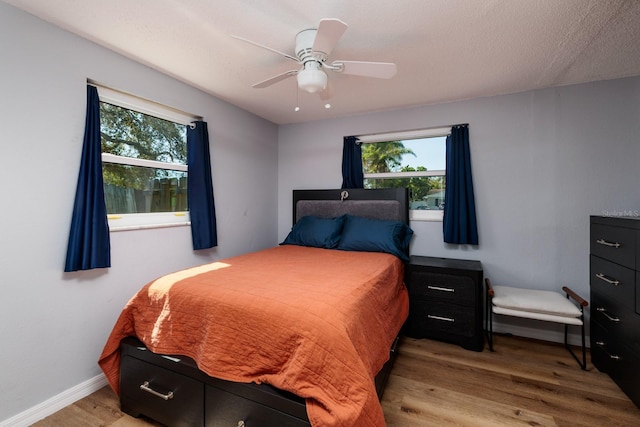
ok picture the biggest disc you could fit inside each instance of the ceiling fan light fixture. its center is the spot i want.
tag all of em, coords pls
(312, 79)
(312, 49)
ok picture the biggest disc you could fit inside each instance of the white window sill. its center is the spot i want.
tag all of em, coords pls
(143, 221)
(148, 226)
(426, 215)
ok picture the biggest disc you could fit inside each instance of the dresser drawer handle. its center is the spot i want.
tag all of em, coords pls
(146, 387)
(610, 244)
(446, 319)
(439, 288)
(604, 312)
(602, 277)
(601, 344)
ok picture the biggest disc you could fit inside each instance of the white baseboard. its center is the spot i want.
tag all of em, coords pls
(54, 404)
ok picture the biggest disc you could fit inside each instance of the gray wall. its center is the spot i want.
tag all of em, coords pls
(542, 161)
(53, 325)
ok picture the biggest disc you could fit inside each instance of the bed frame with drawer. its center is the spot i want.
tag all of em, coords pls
(192, 398)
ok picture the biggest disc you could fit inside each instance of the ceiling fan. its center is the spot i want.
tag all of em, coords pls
(312, 50)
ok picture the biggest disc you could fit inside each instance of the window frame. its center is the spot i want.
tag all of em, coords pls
(137, 221)
(414, 214)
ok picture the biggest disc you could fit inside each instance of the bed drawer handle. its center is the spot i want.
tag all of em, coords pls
(603, 277)
(601, 344)
(610, 244)
(146, 387)
(446, 319)
(607, 315)
(439, 288)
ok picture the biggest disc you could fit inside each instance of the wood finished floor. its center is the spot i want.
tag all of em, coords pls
(524, 382)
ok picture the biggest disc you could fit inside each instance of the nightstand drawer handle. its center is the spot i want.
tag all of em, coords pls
(446, 319)
(601, 344)
(610, 244)
(439, 288)
(609, 280)
(604, 312)
(146, 387)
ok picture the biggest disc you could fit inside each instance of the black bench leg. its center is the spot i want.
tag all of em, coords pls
(583, 363)
(489, 322)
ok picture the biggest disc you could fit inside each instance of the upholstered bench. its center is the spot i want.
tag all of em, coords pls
(547, 306)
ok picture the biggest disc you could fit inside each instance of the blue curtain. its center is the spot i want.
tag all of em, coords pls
(459, 223)
(89, 244)
(352, 175)
(200, 189)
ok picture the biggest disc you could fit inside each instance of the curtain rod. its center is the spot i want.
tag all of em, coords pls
(408, 134)
(133, 102)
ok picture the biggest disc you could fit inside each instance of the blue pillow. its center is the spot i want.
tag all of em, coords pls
(316, 232)
(375, 235)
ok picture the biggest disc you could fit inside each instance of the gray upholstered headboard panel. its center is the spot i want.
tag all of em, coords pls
(388, 203)
(376, 209)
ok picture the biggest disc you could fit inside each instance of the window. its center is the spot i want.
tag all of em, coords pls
(144, 162)
(413, 159)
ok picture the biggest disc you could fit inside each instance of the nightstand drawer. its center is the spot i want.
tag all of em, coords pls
(168, 397)
(438, 317)
(443, 287)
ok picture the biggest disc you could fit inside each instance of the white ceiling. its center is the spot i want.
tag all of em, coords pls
(445, 50)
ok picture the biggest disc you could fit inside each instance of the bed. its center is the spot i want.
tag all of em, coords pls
(300, 334)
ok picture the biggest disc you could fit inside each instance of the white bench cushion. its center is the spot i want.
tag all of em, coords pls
(537, 316)
(547, 303)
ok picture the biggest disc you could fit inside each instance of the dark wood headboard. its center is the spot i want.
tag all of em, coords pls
(384, 203)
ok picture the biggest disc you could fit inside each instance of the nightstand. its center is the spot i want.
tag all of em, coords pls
(445, 300)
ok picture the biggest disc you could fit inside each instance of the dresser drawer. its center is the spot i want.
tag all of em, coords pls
(606, 350)
(443, 287)
(437, 317)
(621, 324)
(166, 396)
(614, 243)
(612, 283)
(225, 409)
(638, 294)
(617, 360)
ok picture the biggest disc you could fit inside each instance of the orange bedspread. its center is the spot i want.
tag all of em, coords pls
(316, 322)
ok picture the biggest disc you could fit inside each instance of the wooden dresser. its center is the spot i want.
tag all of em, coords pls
(615, 300)
(445, 297)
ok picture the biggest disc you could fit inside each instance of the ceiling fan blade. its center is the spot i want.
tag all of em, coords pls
(380, 70)
(286, 55)
(329, 32)
(275, 79)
